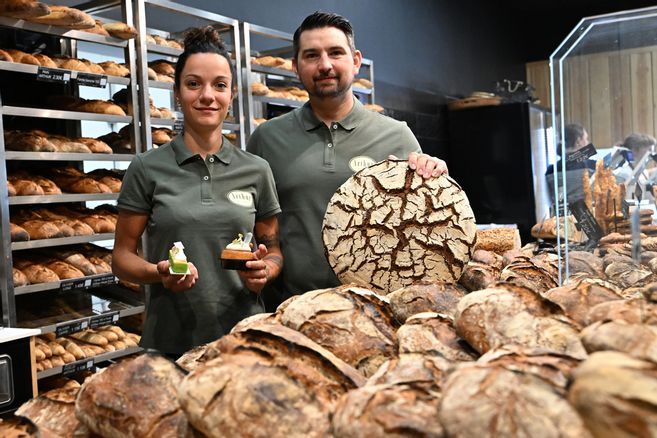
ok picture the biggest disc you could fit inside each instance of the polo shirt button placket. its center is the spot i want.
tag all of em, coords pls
(211, 160)
(205, 178)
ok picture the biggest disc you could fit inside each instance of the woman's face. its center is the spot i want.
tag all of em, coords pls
(205, 91)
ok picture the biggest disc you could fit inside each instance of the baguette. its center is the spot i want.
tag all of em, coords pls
(72, 348)
(66, 17)
(57, 361)
(119, 345)
(90, 338)
(108, 334)
(56, 348)
(39, 354)
(23, 9)
(47, 364)
(116, 329)
(68, 357)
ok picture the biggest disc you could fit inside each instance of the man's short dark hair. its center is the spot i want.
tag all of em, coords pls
(571, 134)
(318, 20)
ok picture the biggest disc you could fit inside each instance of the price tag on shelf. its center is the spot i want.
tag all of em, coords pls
(71, 327)
(92, 80)
(88, 283)
(74, 367)
(53, 75)
(178, 126)
(104, 319)
(582, 154)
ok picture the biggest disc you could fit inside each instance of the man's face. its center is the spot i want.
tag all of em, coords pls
(326, 66)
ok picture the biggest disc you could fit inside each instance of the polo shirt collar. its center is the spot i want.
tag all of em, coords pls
(183, 154)
(310, 120)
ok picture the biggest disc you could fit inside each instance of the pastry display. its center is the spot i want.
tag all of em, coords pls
(237, 253)
(178, 260)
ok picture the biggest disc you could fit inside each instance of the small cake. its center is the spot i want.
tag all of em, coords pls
(237, 253)
(177, 260)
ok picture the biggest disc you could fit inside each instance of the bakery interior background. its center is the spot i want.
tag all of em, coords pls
(426, 51)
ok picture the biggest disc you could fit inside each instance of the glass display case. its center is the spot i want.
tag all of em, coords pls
(604, 101)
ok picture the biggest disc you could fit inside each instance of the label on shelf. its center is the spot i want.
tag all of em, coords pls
(581, 155)
(586, 220)
(104, 319)
(92, 80)
(178, 126)
(53, 75)
(74, 367)
(87, 283)
(71, 327)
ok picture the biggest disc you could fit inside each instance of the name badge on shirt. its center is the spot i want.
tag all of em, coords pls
(360, 163)
(241, 198)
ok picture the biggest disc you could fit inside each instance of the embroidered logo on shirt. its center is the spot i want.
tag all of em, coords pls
(360, 162)
(238, 197)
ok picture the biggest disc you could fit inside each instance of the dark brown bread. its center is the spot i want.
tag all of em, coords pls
(425, 296)
(54, 412)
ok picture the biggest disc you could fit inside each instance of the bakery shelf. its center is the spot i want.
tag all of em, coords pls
(63, 32)
(160, 84)
(65, 156)
(278, 101)
(33, 69)
(45, 243)
(88, 363)
(69, 312)
(362, 90)
(67, 197)
(162, 122)
(88, 282)
(164, 50)
(61, 114)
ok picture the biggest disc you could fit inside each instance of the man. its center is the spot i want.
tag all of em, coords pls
(575, 138)
(316, 148)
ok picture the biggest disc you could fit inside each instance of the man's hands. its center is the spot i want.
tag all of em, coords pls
(176, 282)
(425, 165)
(257, 273)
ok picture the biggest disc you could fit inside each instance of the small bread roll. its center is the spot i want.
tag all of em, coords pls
(19, 279)
(45, 61)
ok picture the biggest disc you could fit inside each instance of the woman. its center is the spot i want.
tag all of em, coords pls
(202, 191)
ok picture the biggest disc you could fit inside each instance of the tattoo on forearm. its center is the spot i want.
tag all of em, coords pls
(269, 240)
(277, 260)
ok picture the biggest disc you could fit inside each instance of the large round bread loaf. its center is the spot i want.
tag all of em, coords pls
(425, 296)
(54, 412)
(268, 381)
(134, 398)
(386, 227)
(351, 322)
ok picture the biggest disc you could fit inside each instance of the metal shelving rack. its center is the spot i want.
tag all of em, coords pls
(67, 39)
(225, 25)
(247, 30)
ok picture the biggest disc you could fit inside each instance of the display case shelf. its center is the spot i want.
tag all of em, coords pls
(273, 71)
(46, 243)
(86, 283)
(68, 197)
(163, 50)
(160, 84)
(278, 101)
(88, 363)
(33, 69)
(62, 32)
(62, 114)
(65, 156)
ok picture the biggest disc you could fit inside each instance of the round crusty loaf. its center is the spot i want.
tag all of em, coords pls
(54, 412)
(433, 334)
(425, 296)
(387, 227)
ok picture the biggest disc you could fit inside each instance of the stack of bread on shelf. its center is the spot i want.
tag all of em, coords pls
(52, 352)
(58, 180)
(363, 83)
(40, 141)
(97, 106)
(273, 61)
(164, 70)
(123, 99)
(117, 30)
(55, 264)
(110, 68)
(62, 221)
(284, 92)
(166, 42)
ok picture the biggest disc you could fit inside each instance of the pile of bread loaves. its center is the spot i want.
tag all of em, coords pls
(291, 93)
(58, 180)
(52, 265)
(503, 352)
(110, 68)
(52, 352)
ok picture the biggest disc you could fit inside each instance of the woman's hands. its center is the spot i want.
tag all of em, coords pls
(176, 282)
(425, 165)
(256, 275)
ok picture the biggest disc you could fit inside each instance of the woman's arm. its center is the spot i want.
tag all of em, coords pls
(270, 259)
(129, 266)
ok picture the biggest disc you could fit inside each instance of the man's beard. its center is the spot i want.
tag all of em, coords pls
(339, 89)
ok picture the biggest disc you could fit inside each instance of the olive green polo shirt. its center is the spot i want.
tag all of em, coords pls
(310, 160)
(204, 204)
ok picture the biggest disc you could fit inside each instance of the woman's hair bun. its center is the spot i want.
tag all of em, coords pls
(201, 36)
